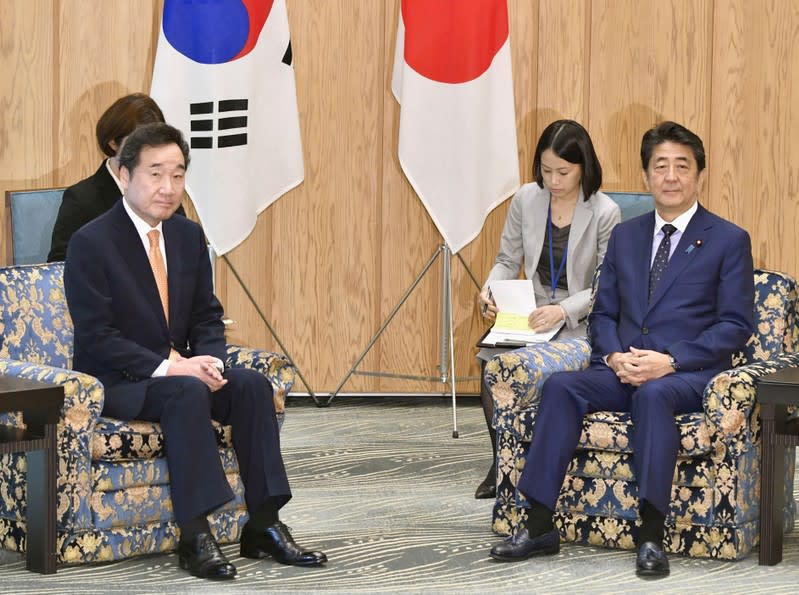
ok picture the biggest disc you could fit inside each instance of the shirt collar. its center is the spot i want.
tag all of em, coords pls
(142, 227)
(113, 175)
(680, 222)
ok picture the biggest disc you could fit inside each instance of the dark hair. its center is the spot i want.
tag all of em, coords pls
(570, 141)
(125, 114)
(151, 135)
(675, 133)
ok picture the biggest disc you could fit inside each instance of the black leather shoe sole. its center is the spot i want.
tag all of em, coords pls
(225, 572)
(651, 562)
(651, 573)
(256, 553)
(488, 487)
(222, 572)
(521, 547)
(485, 491)
(549, 551)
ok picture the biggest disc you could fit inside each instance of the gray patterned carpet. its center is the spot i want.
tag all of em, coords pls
(383, 488)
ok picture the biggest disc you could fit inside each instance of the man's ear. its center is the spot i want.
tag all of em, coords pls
(124, 177)
(646, 181)
(701, 179)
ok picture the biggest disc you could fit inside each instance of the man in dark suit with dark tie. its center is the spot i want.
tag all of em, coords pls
(147, 324)
(674, 302)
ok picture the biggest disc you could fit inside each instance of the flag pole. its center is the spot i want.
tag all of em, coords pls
(447, 307)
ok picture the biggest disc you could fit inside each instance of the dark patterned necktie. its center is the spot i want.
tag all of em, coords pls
(661, 257)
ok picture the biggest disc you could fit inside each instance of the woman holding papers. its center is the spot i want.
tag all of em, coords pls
(559, 227)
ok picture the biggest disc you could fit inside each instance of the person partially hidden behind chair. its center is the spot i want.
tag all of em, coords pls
(94, 195)
(674, 302)
(139, 289)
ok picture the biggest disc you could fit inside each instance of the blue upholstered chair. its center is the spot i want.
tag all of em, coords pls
(112, 487)
(632, 204)
(715, 503)
(30, 216)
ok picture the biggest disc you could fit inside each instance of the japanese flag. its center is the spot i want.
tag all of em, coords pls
(457, 134)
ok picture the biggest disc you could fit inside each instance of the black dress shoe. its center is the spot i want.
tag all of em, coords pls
(202, 557)
(651, 561)
(488, 488)
(276, 541)
(521, 546)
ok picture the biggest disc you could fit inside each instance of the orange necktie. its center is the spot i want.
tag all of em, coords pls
(159, 272)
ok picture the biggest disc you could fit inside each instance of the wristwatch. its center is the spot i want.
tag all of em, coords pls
(673, 363)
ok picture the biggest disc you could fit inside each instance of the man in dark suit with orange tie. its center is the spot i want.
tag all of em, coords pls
(674, 302)
(147, 324)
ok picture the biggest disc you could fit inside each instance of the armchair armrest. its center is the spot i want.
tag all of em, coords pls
(83, 394)
(83, 403)
(729, 402)
(515, 379)
(274, 366)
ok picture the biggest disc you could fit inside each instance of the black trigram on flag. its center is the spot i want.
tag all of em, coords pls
(231, 123)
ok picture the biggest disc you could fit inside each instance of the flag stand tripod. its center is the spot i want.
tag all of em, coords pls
(446, 368)
(268, 326)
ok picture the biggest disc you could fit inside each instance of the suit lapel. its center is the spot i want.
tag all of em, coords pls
(684, 253)
(641, 255)
(108, 191)
(539, 226)
(583, 213)
(135, 256)
(174, 263)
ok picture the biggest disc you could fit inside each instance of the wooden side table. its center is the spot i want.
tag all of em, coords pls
(775, 392)
(40, 404)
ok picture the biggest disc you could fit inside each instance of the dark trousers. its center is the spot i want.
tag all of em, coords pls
(567, 396)
(184, 407)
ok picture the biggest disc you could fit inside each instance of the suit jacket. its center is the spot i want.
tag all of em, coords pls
(701, 310)
(121, 333)
(82, 202)
(523, 239)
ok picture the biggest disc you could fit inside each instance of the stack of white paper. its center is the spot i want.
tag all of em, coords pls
(515, 300)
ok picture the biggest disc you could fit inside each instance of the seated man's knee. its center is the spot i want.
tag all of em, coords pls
(557, 382)
(188, 393)
(250, 384)
(649, 397)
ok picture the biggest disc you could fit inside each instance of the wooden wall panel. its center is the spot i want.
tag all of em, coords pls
(754, 158)
(329, 260)
(93, 70)
(410, 344)
(325, 236)
(563, 67)
(26, 105)
(650, 61)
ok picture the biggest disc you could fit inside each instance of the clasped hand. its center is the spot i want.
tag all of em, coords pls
(199, 366)
(639, 365)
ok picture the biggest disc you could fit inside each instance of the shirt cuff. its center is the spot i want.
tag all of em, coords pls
(161, 369)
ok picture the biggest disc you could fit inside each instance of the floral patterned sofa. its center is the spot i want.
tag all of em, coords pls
(715, 504)
(112, 489)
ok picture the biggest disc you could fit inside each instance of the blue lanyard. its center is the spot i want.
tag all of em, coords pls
(553, 279)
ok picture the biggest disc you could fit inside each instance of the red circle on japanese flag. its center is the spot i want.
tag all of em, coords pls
(453, 41)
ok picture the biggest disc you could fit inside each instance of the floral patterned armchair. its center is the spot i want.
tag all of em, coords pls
(715, 504)
(113, 496)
